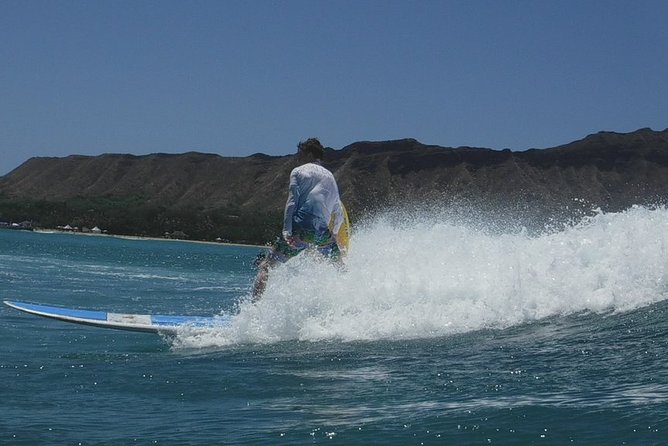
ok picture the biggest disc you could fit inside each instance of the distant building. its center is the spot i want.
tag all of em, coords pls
(24, 225)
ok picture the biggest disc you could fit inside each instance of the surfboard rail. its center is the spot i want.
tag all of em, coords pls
(166, 324)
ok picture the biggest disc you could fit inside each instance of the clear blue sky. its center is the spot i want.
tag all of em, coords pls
(239, 77)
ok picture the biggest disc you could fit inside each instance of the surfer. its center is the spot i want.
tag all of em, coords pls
(314, 216)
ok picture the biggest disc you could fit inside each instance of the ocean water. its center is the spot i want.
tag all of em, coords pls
(436, 332)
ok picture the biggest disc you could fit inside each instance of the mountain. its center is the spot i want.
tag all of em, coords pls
(241, 199)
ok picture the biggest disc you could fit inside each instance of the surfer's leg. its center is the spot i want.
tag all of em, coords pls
(280, 252)
(261, 279)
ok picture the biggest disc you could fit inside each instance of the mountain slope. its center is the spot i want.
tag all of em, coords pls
(198, 191)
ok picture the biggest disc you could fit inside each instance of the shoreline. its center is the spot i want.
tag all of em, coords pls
(143, 238)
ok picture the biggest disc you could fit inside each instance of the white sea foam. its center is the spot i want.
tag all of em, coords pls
(433, 278)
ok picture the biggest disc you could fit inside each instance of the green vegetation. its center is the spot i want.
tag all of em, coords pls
(134, 216)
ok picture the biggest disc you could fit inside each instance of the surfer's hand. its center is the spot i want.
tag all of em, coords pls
(294, 242)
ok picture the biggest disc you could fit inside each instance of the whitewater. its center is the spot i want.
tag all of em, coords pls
(426, 277)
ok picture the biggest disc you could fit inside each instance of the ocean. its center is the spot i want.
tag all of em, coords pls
(436, 332)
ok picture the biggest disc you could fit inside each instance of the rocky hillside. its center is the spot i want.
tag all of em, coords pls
(208, 195)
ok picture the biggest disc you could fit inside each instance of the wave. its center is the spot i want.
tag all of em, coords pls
(415, 279)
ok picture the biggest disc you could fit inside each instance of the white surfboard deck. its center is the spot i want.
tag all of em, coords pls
(151, 323)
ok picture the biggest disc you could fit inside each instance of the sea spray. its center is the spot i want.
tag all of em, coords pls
(407, 279)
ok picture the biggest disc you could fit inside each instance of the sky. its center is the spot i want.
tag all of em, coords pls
(241, 77)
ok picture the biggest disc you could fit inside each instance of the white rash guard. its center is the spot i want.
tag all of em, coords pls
(313, 199)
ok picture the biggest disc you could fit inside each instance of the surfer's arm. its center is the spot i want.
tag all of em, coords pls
(290, 206)
(336, 218)
(335, 222)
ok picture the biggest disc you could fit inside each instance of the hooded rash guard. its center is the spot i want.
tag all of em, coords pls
(313, 211)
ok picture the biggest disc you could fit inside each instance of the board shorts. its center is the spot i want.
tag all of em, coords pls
(323, 243)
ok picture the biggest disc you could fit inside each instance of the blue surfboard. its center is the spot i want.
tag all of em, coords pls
(151, 323)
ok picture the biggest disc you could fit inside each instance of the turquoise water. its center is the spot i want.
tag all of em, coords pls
(437, 333)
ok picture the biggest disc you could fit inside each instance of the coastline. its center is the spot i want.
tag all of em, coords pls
(142, 238)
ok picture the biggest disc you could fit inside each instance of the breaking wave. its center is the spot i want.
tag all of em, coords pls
(418, 279)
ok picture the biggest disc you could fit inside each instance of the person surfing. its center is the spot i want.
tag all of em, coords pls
(314, 217)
